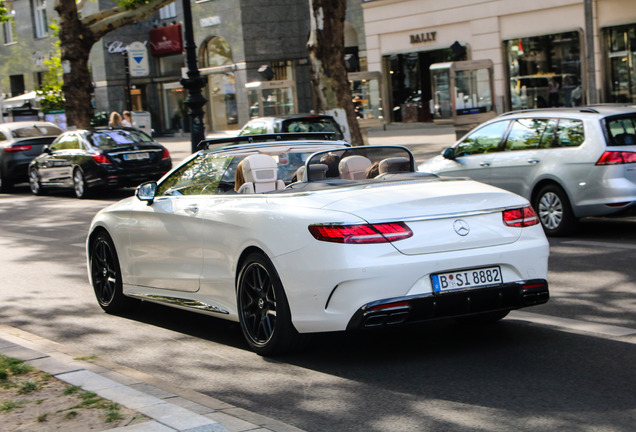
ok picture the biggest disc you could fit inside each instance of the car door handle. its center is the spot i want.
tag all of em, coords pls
(533, 161)
(484, 164)
(192, 209)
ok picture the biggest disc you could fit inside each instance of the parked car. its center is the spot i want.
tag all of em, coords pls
(570, 163)
(340, 249)
(20, 143)
(292, 123)
(101, 157)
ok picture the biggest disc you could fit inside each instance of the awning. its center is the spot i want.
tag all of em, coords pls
(18, 101)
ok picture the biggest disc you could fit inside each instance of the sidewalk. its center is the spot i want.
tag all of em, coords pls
(425, 140)
(169, 407)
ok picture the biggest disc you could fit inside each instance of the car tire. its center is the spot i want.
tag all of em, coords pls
(79, 184)
(35, 183)
(483, 318)
(106, 276)
(264, 313)
(554, 210)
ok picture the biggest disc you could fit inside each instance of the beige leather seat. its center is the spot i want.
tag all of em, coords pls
(394, 165)
(354, 167)
(261, 174)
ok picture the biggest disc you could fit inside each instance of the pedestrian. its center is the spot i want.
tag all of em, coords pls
(553, 93)
(115, 119)
(127, 121)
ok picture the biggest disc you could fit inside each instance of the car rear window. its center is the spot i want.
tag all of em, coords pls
(622, 130)
(35, 131)
(117, 137)
(312, 124)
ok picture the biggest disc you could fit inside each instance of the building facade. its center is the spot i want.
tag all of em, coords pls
(234, 40)
(252, 54)
(545, 52)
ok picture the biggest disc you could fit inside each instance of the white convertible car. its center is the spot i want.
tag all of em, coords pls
(309, 235)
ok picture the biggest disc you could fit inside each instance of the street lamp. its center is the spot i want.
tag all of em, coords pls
(194, 83)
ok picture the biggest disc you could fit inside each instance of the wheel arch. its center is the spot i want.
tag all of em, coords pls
(547, 182)
(91, 239)
(243, 257)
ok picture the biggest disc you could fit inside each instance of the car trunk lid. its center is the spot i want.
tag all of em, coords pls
(443, 215)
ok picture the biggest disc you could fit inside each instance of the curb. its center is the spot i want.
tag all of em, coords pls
(169, 407)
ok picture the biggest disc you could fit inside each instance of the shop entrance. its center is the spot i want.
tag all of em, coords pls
(621, 51)
(410, 83)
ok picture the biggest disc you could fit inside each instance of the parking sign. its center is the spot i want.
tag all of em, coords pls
(138, 60)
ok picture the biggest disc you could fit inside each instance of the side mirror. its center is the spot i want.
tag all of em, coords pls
(46, 149)
(449, 153)
(146, 192)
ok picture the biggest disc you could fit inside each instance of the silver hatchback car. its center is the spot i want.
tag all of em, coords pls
(569, 163)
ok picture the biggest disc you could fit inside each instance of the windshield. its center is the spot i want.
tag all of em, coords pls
(359, 163)
(117, 137)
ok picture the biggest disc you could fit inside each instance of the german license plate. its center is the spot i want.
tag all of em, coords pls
(467, 279)
(136, 156)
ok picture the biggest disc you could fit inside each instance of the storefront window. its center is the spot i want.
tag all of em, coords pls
(176, 116)
(545, 71)
(215, 54)
(621, 51)
(410, 83)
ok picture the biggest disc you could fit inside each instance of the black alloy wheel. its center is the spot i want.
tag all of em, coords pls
(554, 210)
(263, 309)
(79, 184)
(106, 275)
(35, 183)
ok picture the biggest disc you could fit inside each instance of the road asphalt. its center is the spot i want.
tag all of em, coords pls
(168, 406)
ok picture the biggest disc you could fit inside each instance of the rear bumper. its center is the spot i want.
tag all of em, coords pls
(426, 307)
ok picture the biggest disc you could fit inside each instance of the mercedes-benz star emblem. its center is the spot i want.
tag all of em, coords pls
(461, 227)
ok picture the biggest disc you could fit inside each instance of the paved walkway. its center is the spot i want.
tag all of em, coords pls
(169, 407)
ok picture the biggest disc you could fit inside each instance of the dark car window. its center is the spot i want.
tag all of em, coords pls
(117, 137)
(483, 140)
(570, 133)
(201, 175)
(525, 134)
(622, 130)
(2, 136)
(35, 131)
(312, 124)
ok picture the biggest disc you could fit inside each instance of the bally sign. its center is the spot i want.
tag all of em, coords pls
(166, 40)
(423, 37)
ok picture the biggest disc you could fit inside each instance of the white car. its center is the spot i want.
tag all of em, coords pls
(359, 241)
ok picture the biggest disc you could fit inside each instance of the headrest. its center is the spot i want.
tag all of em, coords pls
(318, 172)
(395, 165)
(260, 168)
(354, 167)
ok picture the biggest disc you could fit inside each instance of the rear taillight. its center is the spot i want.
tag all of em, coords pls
(617, 158)
(100, 158)
(361, 234)
(17, 148)
(165, 155)
(521, 217)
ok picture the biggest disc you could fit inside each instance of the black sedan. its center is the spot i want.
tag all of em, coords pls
(108, 157)
(20, 143)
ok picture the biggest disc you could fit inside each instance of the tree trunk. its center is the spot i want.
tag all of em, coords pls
(326, 53)
(75, 45)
